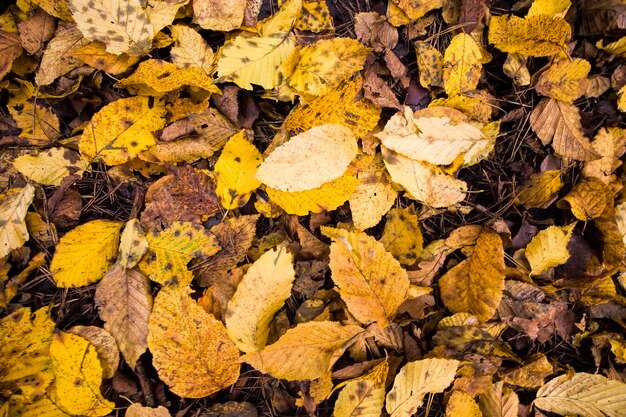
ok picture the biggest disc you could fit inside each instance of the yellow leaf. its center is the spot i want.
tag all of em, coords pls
(530, 375)
(250, 311)
(621, 99)
(24, 352)
(133, 244)
(220, 15)
(549, 7)
(618, 348)
(85, 253)
(327, 197)
(247, 61)
(323, 65)
(78, 376)
(49, 167)
(137, 410)
(538, 35)
(310, 159)
(617, 48)
(122, 129)
(462, 404)
(192, 352)
(475, 285)
(191, 49)
(610, 144)
(474, 105)
(307, 351)
(44, 407)
(416, 9)
(57, 58)
(283, 20)
(56, 8)
(402, 235)
(430, 64)
(11, 48)
(122, 25)
(515, 67)
(437, 135)
(236, 169)
(587, 199)
(549, 248)
(95, 55)
(314, 17)
(363, 396)
(39, 124)
(620, 218)
(541, 190)
(559, 122)
(499, 401)
(13, 231)
(162, 13)
(461, 65)
(370, 281)
(415, 380)
(424, 182)
(342, 105)
(373, 196)
(105, 345)
(583, 394)
(124, 300)
(565, 80)
(156, 77)
(170, 251)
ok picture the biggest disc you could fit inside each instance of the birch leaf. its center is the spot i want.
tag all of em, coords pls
(370, 281)
(461, 65)
(565, 80)
(122, 129)
(122, 25)
(538, 35)
(425, 182)
(191, 49)
(251, 311)
(13, 207)
(499, 401)
(85, 253)
(549, 248)
(191, 350)
(363, 396)
(307, 351)
(220, 15)
(125, 301)
(49, 167)
(39, 124)
(58, 59)
(558, 122)
(587, 200)
(137, 410)
(583, 394)
(133, 244)
(78, 376)
(105, 345)
(430, 64)
(475, 285)
(310, 159)
(415, 380)
(236, 169)
(11, 48)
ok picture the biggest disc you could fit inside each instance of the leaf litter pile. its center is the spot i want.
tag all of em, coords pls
(351, 208)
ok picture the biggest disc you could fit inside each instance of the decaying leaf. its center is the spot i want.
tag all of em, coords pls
(307, 351)
(39, 124)
(402, 235)
(549, 248)
(191, 49)
(137, 410)
(192, 351)
(85, 253)
(475, 285)
(51, 166)
(587, 200)
(58, 57)
(565, 80)
(538, 35)
(310, 159)
(105, 345)
(11, 48)
(363, 396)
(370, 281)
(13, 231)
(219, 14)
(610, 144)
(462, 404)
(415, 380)
(250, 311)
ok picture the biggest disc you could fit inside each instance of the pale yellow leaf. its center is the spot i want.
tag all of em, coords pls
(308, 351)
(549, 248)
(49, 167)
(220, 15)
(369, 279)
(122, 25)
(499, 401)
(13, 207)
(565, 80)
(137, 410)
(247, 61)
(461, 404)
(475, 105)
(363, 396)
(515, 67)
(122, 129)
(475, 285)
(85, 253)
(558, 122)
(162, 13)
(610, 144)
(415, 380)
(549, 7)
(461, 65)
(260, 294)
(58, 56)
(310, 159)
(538, 35)
(236, 169)
(78, 376)
(583, 394)
(424, 182)
(191, 49)
(191, 349)
(133, 244)
(39, 124)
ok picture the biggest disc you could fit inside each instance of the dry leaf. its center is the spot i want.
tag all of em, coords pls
(374, 31)
(541, 190)
(11, 48)
(430, 64)
(462, 65)
(137, 410)
(587, 200)
(402, 235)
(461, 404)
(13, 207)
(538, 35)
(191, 350)
(499, 401)
(58, 58)
(39, 124)
(565, 80)
(221, 15)
(105, 345)
(610, 144)
(549, 248)
(51, 166)
(191, 49)
(549, 7)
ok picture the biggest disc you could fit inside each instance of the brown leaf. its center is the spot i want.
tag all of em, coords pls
(378, 92)
(10, 48)
(35, 31)
(373, 30)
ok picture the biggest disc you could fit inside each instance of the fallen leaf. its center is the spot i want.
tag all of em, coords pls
(429, 64)
(549, 248)
(461, 65)
(374, 31)
(499, 401)
(565, 80)
(541, 190)
(137, 410)
(58, 59)
(51, 166)
(191, 49)
(364, 395)
(220, 15)
(461, 404)
(95, 55)
(530, 375)
(549, 7)
(191, 350)
(587, 200)
(13, 207)
(538, 35)
(315, 17)
(11, 48)
(610, 144)
(402, 236)
(39, 124)
(105, 345)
